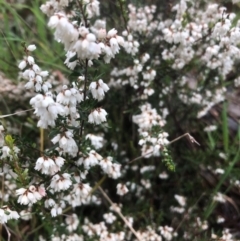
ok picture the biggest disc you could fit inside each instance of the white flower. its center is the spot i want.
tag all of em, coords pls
(177, 209)
(106, 164)
(163, 175)
(57, 208)
(210, 128)
(49, 203)
(30, 195)
(3, 216)
(92, 7)
(92, 159)
(49, 166)
(66, 143)
(97, 116)
(46, 109)
(109, 217)
(181, 200)
(61, 182)
(112, 33)
(146, 183)
(26, 215)
(82, 189)
(31, 47)
(114, 171)
(30, 60)
(122, 189)
(219, 197)
(6, 213)
(166, 232)
(101, 33)
(22, 65)
(69, 96)
(98, 89)
(96, 141)
(114, 45)
(6, 152)
(72, 222)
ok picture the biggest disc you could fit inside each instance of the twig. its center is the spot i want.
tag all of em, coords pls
(99, 183)
(41, 139)
(186, 214)
(191, 138)
(84, 92)
(16, 113)
(9, 234)
(119, 213)
(140, 157)
(83, 13)
(123, 15)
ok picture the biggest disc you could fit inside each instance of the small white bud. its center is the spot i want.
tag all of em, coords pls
(31, 47)
(22, 64)
(44, 73)
(30, 60)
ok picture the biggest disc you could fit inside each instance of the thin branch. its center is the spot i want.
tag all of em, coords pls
(80, 5)
(123, 15)
(119, 213)
(33, 231)
(187, 213)
(140, 157)
(41, 139)
(16, 113)
(191, 138)
(8, 232)
(84, 92)
(99, 183)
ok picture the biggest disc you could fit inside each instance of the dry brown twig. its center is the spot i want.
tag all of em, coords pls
(119, 213)
(191, 138)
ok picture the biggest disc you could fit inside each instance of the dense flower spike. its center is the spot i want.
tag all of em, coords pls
(34, 74)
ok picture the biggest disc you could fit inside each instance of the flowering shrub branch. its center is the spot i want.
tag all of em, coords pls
(168, 69)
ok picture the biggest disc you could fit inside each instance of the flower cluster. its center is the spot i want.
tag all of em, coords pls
(46, 109)
(30, 195)
(49, 166)
(85, 43)
(98, 89)
(6, 214)
(33, 73)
